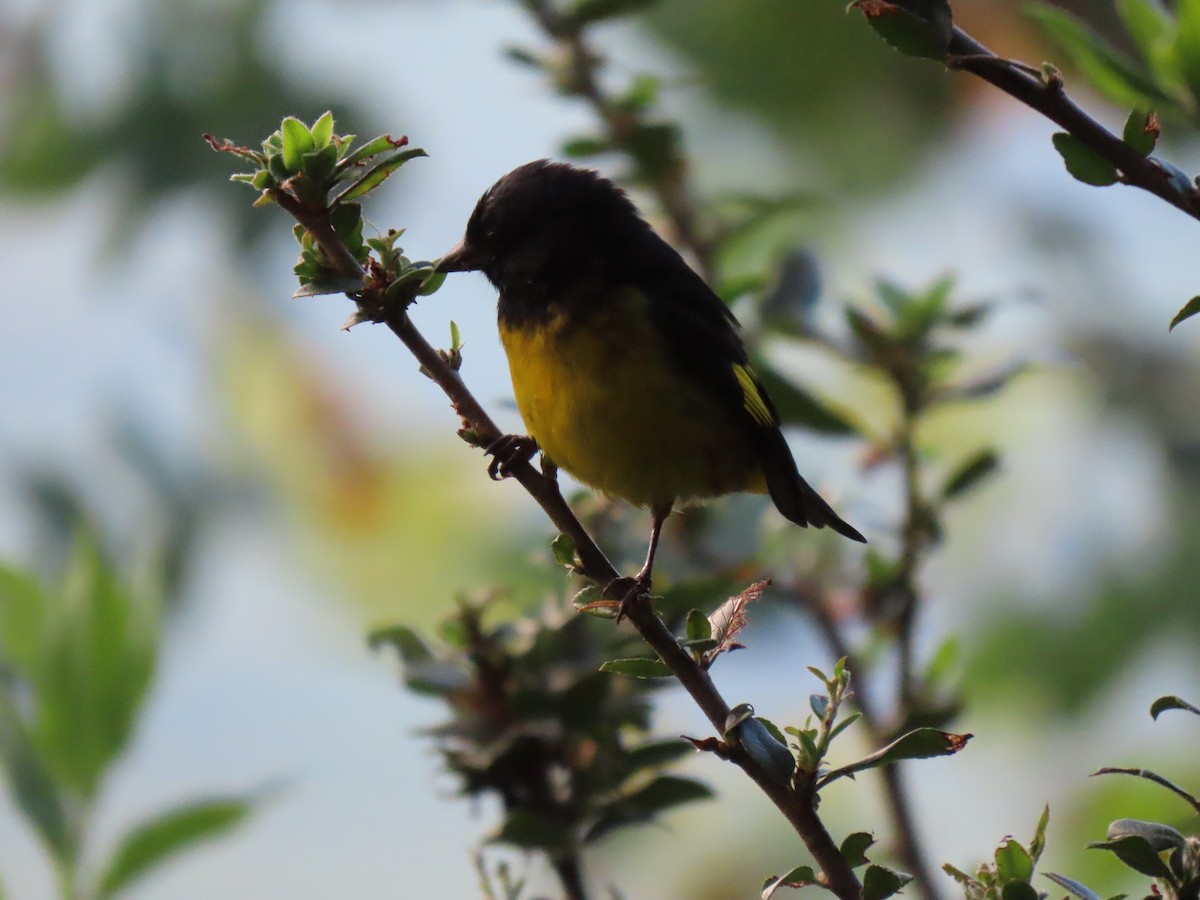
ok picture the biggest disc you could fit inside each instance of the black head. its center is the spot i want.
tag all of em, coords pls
(545, 224)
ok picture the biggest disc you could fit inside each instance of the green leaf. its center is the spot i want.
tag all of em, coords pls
(1038, 844)
(922, 743)
(1135, 851)
(1189, 309)
(797, 406)
(854, 848)
(1186, 50)
(585, 146)
(1018, 890)
(799, 877)
(637, 668)
(1084, 163)
(377, 175)
(1073, 887)
(921, 28)
(96, 661)
(698, 626)
(1141, 130)
(562, 548)
(1118, 78)
(1150, 27)
(529, 831)
(167, 835)
(297, 140)
(1013, 862)
(22, 611)
(373, 147)
(1162, 704)
(318, 167)
(322, 130)
(31, 786)
(661, 794)
(657, 753)
(407, 642)
(1160, 837)
(585, 11)
(592, 602)
(970, 473)
(879, 882)
(431, 284)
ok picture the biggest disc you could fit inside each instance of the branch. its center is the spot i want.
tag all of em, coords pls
(1046, 95)
(797, 805)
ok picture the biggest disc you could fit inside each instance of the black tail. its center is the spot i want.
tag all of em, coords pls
(793, 496)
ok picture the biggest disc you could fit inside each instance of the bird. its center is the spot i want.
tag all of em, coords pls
(628, 370)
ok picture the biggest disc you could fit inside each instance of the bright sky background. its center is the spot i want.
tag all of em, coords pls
(267, 684)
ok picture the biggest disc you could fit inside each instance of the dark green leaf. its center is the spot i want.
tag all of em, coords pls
(1189, 309)
(377, 175)
(923, 743)
(1119, 79)
(1073, 887)
(641, 806)
(1136, 852)
(1162, 704)
(1018, 890)
(799, 877)
(1149, 26)
(297, 140)
(1187, 45)
(657, 753)
(1141, 131)
(797, 406)
(970, 473)
(1084, 163)
(411, 647)
(879, 882)
(585, 11)
(1160, 837)
(431, 284)
(529, 831)
(22, 612)
(1013, 862)
(854, 848)
(31, 786)
(637, 668)
(920, 28)
(169, 834)
(319, 165)
(844, 724)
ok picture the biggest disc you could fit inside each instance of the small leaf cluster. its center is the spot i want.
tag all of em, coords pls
(631, 126)
(534, 722)
(1009, 875)
(878, 882)
(75, 664)
(319, 176)
(1153, 849)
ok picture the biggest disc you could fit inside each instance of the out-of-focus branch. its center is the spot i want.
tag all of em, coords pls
(670, 185)
(1046, 95)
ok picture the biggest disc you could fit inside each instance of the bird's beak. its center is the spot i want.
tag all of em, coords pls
(463, 258)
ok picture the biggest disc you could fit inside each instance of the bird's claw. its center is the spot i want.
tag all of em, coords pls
(630, 591)
(507, 452)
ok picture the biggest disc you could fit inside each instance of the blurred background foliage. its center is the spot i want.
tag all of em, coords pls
(296, 485)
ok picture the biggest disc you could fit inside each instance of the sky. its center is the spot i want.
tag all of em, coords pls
(268, 686)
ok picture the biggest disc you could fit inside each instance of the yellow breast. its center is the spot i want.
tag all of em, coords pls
(605, 403)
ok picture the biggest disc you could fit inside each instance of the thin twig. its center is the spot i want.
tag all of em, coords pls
(1046, 95)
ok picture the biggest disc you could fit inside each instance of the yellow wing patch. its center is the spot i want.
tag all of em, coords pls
(752, 399)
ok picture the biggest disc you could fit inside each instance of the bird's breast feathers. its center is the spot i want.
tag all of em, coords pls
(600, 392)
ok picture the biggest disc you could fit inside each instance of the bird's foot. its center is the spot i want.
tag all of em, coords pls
(507, 452)
(630, 591)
